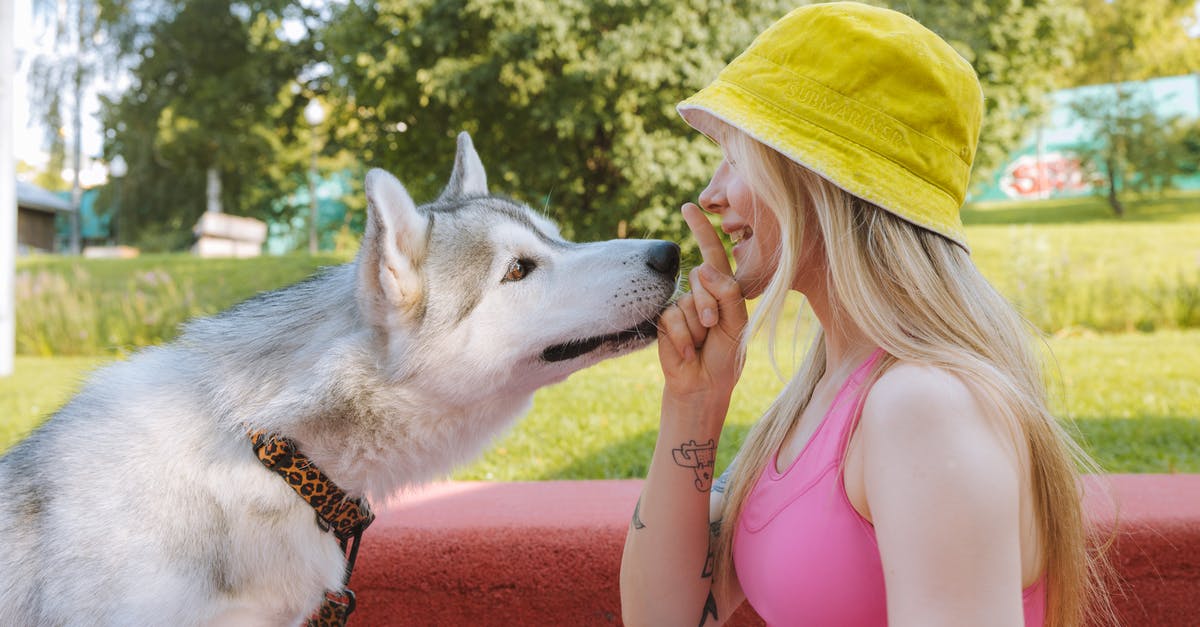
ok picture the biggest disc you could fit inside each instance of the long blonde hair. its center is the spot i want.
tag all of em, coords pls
(919, 297)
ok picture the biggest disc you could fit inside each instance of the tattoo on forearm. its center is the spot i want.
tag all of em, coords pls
(637, 520)
(710, 609)
(700, 458)
(714, 531)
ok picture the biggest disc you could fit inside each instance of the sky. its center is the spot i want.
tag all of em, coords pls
(28, 134)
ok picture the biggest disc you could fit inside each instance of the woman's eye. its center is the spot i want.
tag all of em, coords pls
(517, 270)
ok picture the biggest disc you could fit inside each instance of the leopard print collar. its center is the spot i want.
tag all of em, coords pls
(346, 518)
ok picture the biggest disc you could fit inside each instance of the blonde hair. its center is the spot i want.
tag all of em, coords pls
(919, 297)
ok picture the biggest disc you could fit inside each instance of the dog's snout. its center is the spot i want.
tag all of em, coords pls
(664, 258)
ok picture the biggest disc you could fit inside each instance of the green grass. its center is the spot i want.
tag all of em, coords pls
(1134, 398)
(71, 306)
(1066, 265)
(1069, 265)
(1171, 208)
(38, 387)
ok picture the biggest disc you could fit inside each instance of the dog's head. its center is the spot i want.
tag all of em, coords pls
(477, 294)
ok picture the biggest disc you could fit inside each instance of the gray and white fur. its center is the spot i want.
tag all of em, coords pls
(141, 502)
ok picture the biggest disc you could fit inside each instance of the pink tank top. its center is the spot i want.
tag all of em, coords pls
(803, 553)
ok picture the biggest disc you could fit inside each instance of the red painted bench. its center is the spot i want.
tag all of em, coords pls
(549, 553)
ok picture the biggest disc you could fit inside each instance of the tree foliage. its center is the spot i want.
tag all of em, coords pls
(1137, 149)
(215, 84)
(1134, 40)
(571, 104)
(58, 77)
(1018, 48)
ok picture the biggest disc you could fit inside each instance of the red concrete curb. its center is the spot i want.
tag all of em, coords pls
(1156, 519)
(549, 553)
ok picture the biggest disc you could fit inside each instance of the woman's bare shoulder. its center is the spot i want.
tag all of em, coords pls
(921, 392)
(925, 408)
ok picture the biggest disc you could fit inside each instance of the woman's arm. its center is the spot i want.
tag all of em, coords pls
(666, 572)
(942, 485)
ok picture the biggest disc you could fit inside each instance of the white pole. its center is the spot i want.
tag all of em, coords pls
(8, 192)
(212, 190)
(312, 196)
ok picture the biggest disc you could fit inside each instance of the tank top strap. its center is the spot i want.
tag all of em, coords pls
(848, 406)
(825, 446)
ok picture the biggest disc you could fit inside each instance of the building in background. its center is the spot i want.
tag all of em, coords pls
(36, 212)
(332, 215)
(1049, 163)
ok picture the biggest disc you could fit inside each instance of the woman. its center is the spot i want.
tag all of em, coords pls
(910, 472)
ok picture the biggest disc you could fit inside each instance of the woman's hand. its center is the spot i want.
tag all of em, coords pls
(666, 577)
(699, 337)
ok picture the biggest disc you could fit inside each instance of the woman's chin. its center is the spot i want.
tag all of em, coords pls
(750, 285)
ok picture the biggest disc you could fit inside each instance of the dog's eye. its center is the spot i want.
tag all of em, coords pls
(518, 269)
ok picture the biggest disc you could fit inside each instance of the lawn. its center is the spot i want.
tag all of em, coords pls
(1065, 264)
(1119, 299)
(1070, 264)
(1170, 208)
(76, 306)
(37, 387)
(1135, 399)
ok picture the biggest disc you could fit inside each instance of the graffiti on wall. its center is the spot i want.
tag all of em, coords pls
(1053, 174)
(1062, 136)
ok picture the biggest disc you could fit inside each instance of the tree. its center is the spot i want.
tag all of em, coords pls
(216, 91)
(1135, 40)
(1188, 141)
(1019, 50)
(1136, 148)
(58, 81)
(571, 104)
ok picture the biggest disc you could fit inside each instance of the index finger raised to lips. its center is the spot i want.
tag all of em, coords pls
(711, 248)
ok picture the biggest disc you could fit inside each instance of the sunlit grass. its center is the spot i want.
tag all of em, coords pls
(71, 306)
(1072, 268)
(1135, 399)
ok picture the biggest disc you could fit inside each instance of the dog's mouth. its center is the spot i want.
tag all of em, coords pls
(577, 348)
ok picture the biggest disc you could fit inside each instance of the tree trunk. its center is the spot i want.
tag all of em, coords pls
(1113, 200)
(77, 151)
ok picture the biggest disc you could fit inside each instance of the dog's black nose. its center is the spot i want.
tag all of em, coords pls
(664, 258)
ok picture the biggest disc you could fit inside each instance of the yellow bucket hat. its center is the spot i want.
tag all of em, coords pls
(864, 96)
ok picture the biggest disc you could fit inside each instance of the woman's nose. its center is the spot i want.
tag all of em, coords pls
(713, 199)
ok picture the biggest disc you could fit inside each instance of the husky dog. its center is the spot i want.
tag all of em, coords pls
(141, 501)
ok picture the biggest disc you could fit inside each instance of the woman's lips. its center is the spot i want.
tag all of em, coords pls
(739, 236)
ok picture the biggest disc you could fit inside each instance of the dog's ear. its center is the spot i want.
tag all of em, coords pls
(468, 177)
(393, 243)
